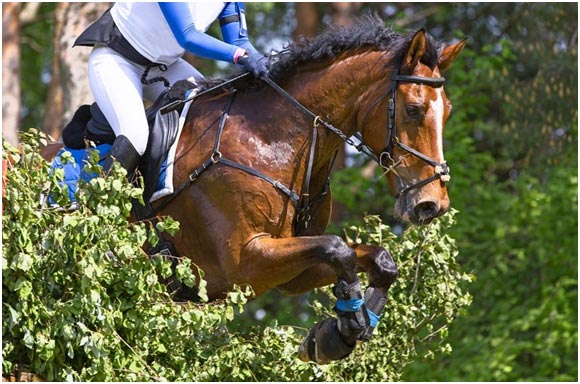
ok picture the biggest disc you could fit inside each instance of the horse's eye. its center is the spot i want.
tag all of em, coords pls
(414, 111)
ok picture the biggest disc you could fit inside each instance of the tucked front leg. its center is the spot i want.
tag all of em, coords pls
(378, 263)
(374, 260)
(268, 262)
(334, 339)
(382, 272)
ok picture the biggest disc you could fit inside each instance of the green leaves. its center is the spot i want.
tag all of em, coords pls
(427, 297)
(77, 287)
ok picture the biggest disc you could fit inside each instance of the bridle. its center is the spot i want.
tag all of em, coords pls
(386, 156)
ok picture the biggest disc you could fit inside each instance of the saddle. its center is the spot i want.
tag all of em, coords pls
(89, 124)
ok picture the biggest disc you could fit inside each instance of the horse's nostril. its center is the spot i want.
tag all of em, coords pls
(426, 210)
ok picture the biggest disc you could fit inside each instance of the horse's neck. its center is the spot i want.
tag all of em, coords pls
(338, 91)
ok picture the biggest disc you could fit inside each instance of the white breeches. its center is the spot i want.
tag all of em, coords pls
(116, 86)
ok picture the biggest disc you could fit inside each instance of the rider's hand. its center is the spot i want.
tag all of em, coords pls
(254, 62)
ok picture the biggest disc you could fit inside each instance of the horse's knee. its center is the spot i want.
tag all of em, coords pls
(388, 266)
(340, 257)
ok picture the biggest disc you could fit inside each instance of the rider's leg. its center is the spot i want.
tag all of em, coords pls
(125, 154)
(116, 86)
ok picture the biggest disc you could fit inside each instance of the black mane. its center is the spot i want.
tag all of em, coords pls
(366, 32)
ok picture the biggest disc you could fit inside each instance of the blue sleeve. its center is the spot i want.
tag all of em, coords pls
(199, 43)
(235, 32)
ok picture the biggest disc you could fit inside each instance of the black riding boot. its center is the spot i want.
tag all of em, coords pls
(125, 153)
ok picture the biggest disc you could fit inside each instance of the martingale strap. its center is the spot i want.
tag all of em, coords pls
(287, 191)
(304, 215)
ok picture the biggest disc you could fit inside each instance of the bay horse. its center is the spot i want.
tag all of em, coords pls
(254, 165)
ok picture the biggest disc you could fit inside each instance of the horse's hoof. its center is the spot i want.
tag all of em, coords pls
(306, 350)
(324, 344)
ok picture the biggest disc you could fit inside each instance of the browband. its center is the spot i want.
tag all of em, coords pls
(431, 81)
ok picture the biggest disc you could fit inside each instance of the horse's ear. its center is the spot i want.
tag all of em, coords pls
(416, 50)
(449, 54)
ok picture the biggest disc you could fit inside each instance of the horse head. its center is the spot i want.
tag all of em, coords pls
(408, 138)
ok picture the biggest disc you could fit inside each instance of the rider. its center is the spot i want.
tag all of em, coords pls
(134, 37)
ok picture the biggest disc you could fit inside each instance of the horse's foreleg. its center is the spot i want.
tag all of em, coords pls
(374, 260)
(272, 262)
(321, 344)
(378, 263)
(315, 277)
(382, 271)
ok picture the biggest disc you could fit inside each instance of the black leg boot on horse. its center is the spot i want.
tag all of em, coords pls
(334, 339)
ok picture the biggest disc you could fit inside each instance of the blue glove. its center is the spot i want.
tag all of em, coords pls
(255, 63)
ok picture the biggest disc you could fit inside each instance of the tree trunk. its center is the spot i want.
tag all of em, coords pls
(307, 20)
(69, 86)
(10, 71)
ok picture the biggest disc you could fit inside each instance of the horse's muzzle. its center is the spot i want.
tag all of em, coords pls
(426, 211)
(421, 212)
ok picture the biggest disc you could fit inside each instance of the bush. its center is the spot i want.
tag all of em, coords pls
(82, 301)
